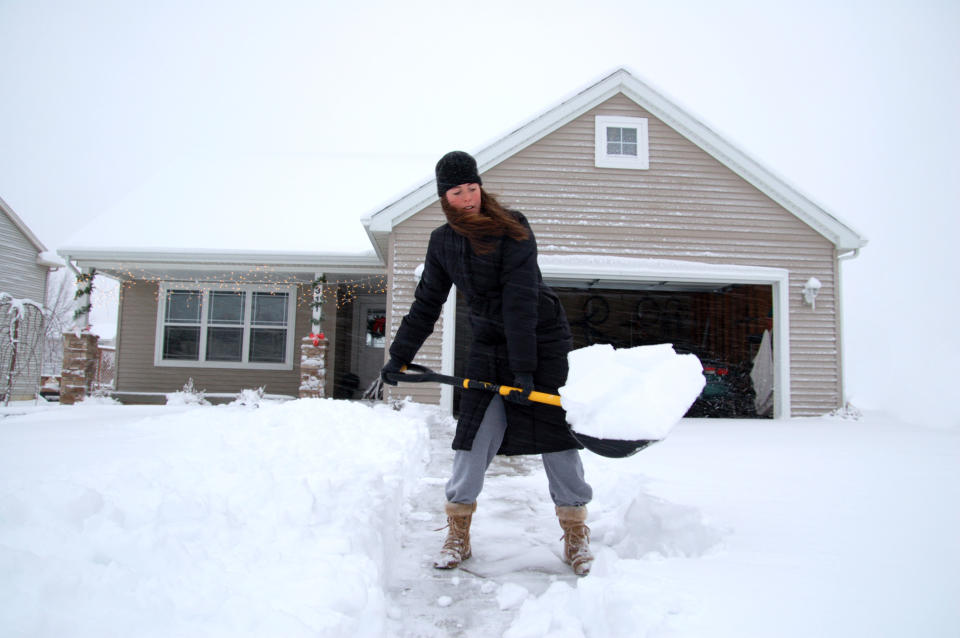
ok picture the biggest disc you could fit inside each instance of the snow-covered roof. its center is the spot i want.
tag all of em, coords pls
(222, 265)
(205, 207)
(381, 223)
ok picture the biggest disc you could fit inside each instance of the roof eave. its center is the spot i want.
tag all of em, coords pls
(839, 233)
(386, 218)
(778, 189)
(155, 258)
(22, 226)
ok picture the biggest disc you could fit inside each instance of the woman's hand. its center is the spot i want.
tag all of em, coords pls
(524, 381)
(393, 366)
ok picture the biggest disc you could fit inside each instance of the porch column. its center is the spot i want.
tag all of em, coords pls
(80, 351)
(313, 366)
(313, 348)
(79, 366)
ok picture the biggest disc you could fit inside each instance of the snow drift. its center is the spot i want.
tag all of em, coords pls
(279, 520)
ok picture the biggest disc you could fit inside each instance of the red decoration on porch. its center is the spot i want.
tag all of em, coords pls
(316, 338)
(376, 326)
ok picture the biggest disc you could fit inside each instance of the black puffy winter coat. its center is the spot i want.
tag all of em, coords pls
(518, 326)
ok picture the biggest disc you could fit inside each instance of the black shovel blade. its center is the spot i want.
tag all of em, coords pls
(612, 448)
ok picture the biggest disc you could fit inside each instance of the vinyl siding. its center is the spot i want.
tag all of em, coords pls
(20, 274)
(137, 337)
(687, 206)
(22, 278)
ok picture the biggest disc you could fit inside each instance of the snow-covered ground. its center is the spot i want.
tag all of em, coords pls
(317, 518)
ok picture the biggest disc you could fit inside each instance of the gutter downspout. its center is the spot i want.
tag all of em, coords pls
(851, 254)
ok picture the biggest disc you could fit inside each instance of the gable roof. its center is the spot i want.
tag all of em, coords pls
(44, 257)
(22, 226)
(382, 222)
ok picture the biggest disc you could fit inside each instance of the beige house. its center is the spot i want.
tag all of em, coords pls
(654, 229)
(650, 226)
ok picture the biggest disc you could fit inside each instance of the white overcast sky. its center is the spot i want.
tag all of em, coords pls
(855, 103)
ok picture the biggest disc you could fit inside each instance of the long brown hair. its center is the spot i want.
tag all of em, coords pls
(484, 226)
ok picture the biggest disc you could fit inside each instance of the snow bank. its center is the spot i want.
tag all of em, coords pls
(630, 394)
(791, 528)
(280, 520)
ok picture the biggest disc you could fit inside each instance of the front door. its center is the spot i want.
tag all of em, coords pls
(369, 338)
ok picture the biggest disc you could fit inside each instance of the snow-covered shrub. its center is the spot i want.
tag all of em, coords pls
(251, 398)
(98, 397)
(189, 395)
(849, 412)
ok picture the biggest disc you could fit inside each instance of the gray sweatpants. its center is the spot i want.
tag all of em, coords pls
(564, 469)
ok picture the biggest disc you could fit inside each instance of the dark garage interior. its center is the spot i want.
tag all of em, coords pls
(721, 324)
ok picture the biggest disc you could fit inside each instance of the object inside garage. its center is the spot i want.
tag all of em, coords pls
(722, 324)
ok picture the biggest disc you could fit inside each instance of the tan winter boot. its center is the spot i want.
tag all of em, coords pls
(456, 548)
(576, 538)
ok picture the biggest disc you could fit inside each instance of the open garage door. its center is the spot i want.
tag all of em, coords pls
(725, 314)
(722, 325)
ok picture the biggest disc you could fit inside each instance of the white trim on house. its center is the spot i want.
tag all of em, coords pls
(588, 270)
(204, 323)
(840, 234)
(309, 263)
(635, 161)
(20, 224)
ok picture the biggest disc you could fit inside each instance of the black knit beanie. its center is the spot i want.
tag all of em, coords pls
(455, 168)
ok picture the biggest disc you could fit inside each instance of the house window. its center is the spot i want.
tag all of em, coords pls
(268, 332)
(621, 142)
(181, 331)
(243, 327)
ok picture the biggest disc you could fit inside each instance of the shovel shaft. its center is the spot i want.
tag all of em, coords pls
(425, 374)
(612, 448)
(504, 390)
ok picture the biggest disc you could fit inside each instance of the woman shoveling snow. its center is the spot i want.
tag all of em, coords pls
(521, 336)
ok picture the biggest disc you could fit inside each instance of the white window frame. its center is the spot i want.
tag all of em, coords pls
(602, 159)
(205, 290)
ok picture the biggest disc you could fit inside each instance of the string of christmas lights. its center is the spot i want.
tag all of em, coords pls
(341, 291)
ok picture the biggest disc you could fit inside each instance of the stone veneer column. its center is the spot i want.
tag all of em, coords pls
(79, 366)
(313, 368)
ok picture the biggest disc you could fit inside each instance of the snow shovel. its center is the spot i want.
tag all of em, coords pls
(611, 448)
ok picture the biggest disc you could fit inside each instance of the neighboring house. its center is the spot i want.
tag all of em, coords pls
(24, 266)
(651, 227)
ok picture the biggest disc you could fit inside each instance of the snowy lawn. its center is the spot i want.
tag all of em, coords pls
(202, 521)
(287, 520)
(803, 527)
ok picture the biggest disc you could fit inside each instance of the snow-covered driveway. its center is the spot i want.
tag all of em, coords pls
(318, 518)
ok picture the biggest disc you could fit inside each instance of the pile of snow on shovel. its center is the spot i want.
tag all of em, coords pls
(630, 394)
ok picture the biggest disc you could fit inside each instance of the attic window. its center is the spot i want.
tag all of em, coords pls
(621, 142)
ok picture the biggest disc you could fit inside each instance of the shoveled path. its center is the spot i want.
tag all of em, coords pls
(515, 538)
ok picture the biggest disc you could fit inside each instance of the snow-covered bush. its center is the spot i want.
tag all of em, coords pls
(251, 398)
(189, 395)
(98, 397)
(849, 412)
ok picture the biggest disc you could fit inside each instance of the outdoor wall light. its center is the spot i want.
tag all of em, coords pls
(810, 290)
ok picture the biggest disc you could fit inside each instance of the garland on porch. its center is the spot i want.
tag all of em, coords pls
(316, 307)
(84, 288)
(316, 286)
